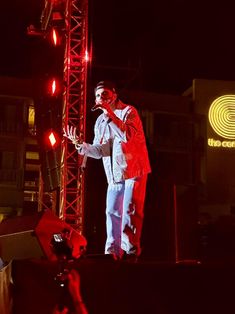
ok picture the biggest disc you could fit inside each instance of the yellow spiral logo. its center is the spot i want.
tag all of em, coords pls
(222, 116)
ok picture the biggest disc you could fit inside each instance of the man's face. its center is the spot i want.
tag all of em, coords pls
(104, 95)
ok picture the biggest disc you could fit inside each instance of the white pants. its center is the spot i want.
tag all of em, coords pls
(124, 216)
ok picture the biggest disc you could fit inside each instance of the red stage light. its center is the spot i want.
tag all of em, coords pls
(53, 87)
(55, 37)
(51, 139)
(87, 57)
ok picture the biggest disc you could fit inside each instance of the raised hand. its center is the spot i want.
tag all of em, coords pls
(71, 133)
(74, 289)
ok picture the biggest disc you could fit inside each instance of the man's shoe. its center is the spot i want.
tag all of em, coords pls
(132, 258)
(111, 253)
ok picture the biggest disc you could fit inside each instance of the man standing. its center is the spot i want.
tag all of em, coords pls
(119, 140)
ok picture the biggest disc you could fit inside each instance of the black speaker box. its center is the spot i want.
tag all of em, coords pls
(30, 236)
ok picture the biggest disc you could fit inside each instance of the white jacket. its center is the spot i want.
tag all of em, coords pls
(120, 143)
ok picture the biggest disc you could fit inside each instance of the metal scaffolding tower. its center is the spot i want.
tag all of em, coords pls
(74, 111)
(73, 19)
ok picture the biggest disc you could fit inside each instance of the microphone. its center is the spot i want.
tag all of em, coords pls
(94, 108)
(107, 101)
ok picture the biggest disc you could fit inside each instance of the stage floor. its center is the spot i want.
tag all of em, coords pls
(121, 287)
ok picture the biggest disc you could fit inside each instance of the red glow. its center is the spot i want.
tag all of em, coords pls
(88, 54)
(87, 58)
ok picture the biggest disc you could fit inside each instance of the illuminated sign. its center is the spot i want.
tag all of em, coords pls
(222, 116)
(217, 143)
(222, 120)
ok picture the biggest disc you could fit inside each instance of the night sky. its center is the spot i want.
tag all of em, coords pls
(159, 46)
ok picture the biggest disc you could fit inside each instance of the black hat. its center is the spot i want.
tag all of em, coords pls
(106, 84)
